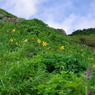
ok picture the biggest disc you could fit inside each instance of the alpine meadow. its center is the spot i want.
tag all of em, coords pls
(36, 59)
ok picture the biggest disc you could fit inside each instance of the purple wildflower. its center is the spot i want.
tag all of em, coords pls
(26, 54)
(88, 73)
(88, 77)
(90, 92)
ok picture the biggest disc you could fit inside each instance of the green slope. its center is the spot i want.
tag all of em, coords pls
(84, 37)
(36, 59)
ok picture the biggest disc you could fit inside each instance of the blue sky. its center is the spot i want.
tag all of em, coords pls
(69, 15)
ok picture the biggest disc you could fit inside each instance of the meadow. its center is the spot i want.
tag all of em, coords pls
(36, 59)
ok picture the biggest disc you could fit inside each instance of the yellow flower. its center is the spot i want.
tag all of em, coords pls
(25, 40)
(93, 65)
(16, 43)
(11, 40)
(32, 38)
(62, 47)
(13, 30)
(39, 41)
(90, 59)
(44, 43)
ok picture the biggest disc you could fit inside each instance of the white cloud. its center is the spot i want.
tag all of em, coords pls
(66, 24)
(74, 21)
(22, 8)
(85, 22)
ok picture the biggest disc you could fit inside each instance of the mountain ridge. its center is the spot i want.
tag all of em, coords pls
(8, 17)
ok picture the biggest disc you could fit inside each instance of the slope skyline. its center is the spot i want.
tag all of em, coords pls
(68, 15)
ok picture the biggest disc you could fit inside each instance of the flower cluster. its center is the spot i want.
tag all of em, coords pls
(88, 73)
(88, 78)
(43, 44)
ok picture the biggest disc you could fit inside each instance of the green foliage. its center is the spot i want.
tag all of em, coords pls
(62, 84)
(34, 22)
(84, 32)
(59, 62)
(38, 60)
(1, 23)
(88, 40)
(74, 63)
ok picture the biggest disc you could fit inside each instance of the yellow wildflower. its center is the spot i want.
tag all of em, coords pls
(16, 43)
(44, 43)
(39, 41)
(32, 38)
(11, 40)
(25, 40)
(93, 65)
(90, 59)
(62, 47)
(13, 30)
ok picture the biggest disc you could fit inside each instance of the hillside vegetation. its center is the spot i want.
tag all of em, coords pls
(84, 32)
(36, 59)
(84, 37)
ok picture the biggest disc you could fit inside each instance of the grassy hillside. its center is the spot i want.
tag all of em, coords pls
(39, 60)
(84, 37)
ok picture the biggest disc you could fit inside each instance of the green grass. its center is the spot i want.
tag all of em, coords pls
(88, 40)
(29, 68)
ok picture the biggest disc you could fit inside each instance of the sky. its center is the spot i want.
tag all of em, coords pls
(69, 15)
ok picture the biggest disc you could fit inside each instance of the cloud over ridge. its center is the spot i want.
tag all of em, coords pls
(66, 14)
